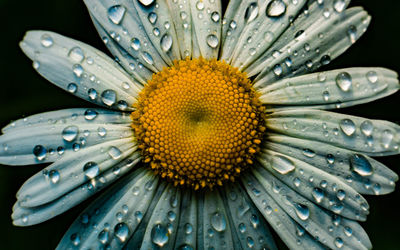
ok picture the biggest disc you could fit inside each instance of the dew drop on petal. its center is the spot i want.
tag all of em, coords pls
(339, 5)
(276, 8)
(103, 236)
(344, 81)
(386, 138)
(166, 42)
(91, 169)
(218, 222)
(372, 76)
(188, 228)
(46, 41)
(90, 114)
(302, 211)
(102, 131)
(135, 43)
(109, 97)
(317, 194)
(159, 235)
(92, 93)
(146, 2)
(347, 126)
(212, 41)
(360, 165)
(121, 231)
(339, 242)
(54, 176)
(76, 54)
(116, 13)
(78, 70)
(39, 152)
(114, 152)
(70, 133)
(72, 88)
(282, 165)
(75, 239)
(251, 12)
(352, 33)
(215, 16)
(152, 17)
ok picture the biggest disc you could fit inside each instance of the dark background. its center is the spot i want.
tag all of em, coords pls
(23, 92)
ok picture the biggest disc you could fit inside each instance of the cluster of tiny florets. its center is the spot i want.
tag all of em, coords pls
(199, 123)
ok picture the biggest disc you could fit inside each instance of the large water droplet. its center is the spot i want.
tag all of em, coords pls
(70, 133)
(114, 152)
(367, 127)
(302, 211)
(339, 242)
(147, 58)
(360, 165)
(92, 93)
(152, 17)
(159, 235)
(75, 239)
(103, 237)
(91, 169)
(344, 81)
(276, 8)
(39, 152)
(308, 152)
(318, 194)
(72, 88)
(90, 114)
(386, 138)
(212, 41)
(46, 41)
(188, 228)
(251, 12)
(372, 76)
(347, 126)
(215, 16)
(146, 2)
(54, 176)
(121, 231)
(339, 5)
(218, 222)
(282, 164)
(166, 42)
(116, 13)
(109, 97)
(76, 54)
(78, 70)
(135, 43)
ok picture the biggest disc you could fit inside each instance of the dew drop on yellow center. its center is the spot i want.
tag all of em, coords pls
(199, 123)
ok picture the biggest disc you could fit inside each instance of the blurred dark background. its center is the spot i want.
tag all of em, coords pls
(23, 92)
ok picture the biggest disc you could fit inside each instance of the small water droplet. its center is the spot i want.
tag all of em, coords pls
(339, 242)
(54, 176)
(70, 133)
(218, 222)
(114, 152)
(90, 114)
(166, 42)
(282, 164)
(91, 169)
(103, 236)
(344, 81)
(102, 131)
(276, 8)
(360, 165)
(146, 2)
(135, 43)
(250, 242)
(308, 152)
(78, 70)
(72, 88)
(215, 16)
(254, 220)
(348, 231)
(352, 33)
(147, 58)
(302, 211)
(75, 239)
(318, 194)
(188, 228)
(92, 93)
(121, 231)
(116, 13)
(39, 152)
(372, 76)
(251, 12)
(242, 228)
(159, 235)
(152, 17)
(212, 41)
(76, 54)
(277, 70)
(46, 41)
(387, 138)
(200, 5)
(341, 194)
(109, 97)
(347, 126)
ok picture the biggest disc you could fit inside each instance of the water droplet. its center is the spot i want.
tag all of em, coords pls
(70, 133)
(40, 152)
(215, 16)
(75, 239)
(152, 17)
(146, 2)
(200, 5)
(339, 5)
(114, 152)
(348, 231)
(212, 41)
(344, 81)
(277, 70)
(338, 242)
(251, 12)
(372, 76)
(36, 65)
(116, 13)
(90, 114)
(91, 169)
(341, 194)
(72, 88)
(109, 97)
(147, 58)
(318, 194)
(296, 182)
(250, 242)
(367, 127)
(347, 126)
(386, 138)
(139, 216)
(254, 220)
(121, 231)
(242, 228)
(302, 211)
(78, 70)
(103, 236)
(308, 152)
(159, 235)
(360, 165)
(276, 8)
(76, 54)
(218, 222)
(166, 42)
(46, 41)
(92, 94)
(171, 216)
(135, 44)
(325, 60)
(188, 228)
(282, 164)
(352, 33)
(102, 131)
(54, 176)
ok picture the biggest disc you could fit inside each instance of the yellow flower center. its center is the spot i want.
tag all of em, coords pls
(199, 123)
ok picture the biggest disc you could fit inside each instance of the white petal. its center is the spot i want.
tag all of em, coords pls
(72, 171)
(207, 27)
(247, 222)
(332, 193)
(126, 30)
(215, 230)
(115, 215)
(23, 216)
(272, 20)
(51, 136)
(159, 26)
(163, 223)
(371, 137)
(80, 69)
(186, 235)
(364, 174)
(320, 43)
(131, 65)
(182, 19)
(315, 220)
(282, 223)
(331, 89)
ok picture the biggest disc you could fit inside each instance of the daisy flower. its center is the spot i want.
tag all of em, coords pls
(211, 131)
